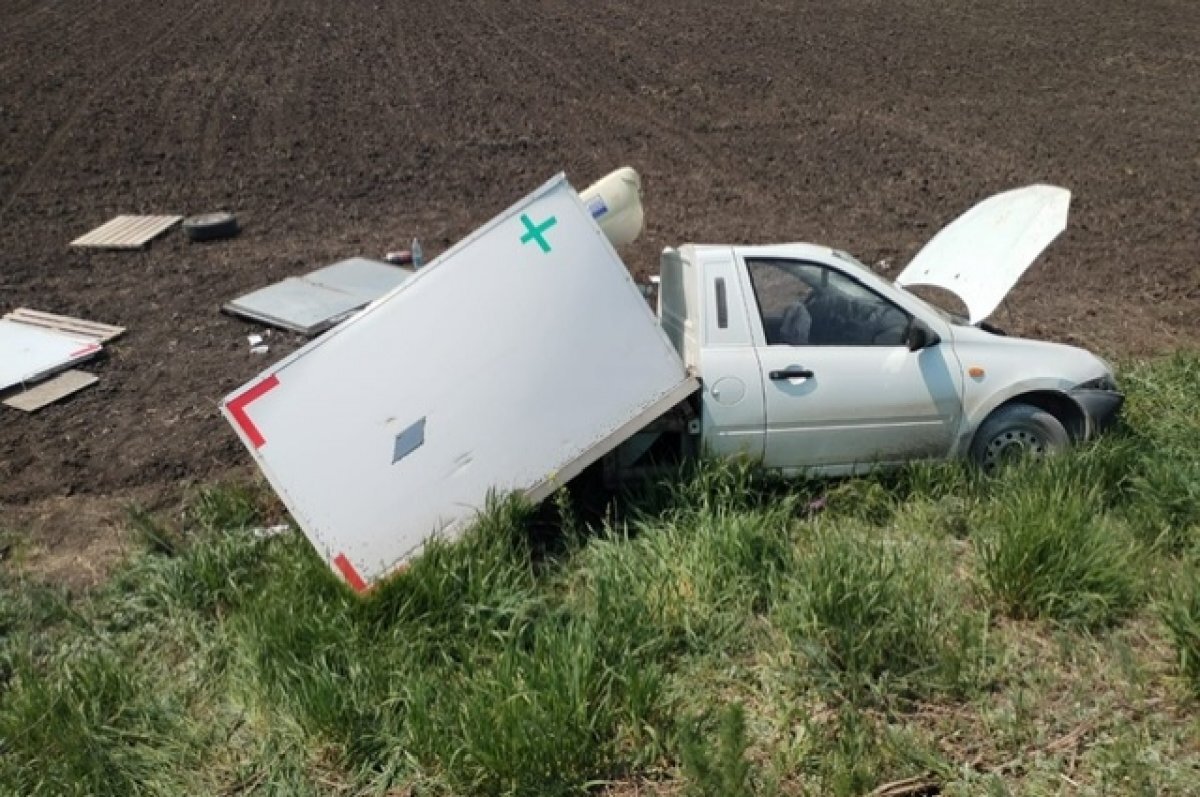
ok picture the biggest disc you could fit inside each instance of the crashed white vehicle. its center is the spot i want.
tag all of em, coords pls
(814, 363)
(527, 353)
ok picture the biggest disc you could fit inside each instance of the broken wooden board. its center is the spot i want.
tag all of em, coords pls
(50, 391)
(127, 232)
(30, 353)
(66, 324)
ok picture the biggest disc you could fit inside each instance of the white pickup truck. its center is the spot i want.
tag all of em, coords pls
(526, 353)
(812, 362)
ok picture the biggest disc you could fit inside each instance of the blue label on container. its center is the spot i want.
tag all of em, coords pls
(597, 207)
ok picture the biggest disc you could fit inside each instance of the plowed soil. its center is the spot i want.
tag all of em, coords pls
(337, 128)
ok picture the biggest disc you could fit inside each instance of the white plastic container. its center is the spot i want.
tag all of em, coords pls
(615, 202)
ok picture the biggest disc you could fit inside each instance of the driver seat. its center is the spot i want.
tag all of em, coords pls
(795, 326)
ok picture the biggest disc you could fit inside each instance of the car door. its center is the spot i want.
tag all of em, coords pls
(842, 390)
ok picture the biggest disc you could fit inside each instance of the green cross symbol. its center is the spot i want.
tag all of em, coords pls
(534, 232)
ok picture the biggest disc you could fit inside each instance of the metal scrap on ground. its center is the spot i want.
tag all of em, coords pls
(321, 299)
(127, 232)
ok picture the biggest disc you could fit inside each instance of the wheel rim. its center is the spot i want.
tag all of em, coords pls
(1012, 445)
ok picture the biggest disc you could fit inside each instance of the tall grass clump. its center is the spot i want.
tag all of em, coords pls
(459, 674)
(1180, 611)
(1164, 425)
(548, 714)
(687, 575)
(1046, 549)
(868, 611)
(718, 768)
(90, 724)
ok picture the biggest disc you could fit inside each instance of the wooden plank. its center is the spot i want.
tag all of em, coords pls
(127, 232)
(66, 324)
(50, 391)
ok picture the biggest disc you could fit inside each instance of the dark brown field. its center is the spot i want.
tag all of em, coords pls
(336, 129)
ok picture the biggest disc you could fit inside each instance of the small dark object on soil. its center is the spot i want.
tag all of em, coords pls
(402, 257)
(210, 226)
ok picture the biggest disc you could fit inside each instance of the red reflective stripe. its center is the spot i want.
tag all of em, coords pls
(88, 349)
(349, 573)
(237, 408)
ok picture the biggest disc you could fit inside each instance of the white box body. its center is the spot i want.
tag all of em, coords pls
(510, 363)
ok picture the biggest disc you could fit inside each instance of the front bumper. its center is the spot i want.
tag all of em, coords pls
(1101, 406)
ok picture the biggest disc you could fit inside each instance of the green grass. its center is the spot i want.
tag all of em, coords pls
(725, 632)
(1046, 549)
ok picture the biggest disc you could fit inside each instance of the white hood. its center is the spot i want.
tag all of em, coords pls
(980, 255)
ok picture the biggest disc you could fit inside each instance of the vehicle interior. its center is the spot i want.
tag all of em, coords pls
(810, 304)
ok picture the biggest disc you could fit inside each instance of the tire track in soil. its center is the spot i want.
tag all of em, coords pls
(579, 88)
(680, 142)
(126, 59)
(223, 80)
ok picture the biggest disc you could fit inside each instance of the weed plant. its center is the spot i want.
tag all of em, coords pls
(1180, 610)
(1046, 549)
(873, 613)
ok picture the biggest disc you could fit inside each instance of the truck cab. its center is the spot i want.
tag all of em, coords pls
(812, 363)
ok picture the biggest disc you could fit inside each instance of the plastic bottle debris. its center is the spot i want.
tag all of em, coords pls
(418, 256)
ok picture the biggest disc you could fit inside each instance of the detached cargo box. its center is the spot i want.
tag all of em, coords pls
(512, 362)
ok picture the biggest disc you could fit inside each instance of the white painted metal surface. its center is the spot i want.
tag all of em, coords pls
(360, 277)
(510, 363)
(127, 232)
(980, 256)
(29, 353)
(320, 299)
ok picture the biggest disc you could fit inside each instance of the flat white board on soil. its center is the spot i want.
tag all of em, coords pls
(29, 353)
(514, 360)
(295, 304)
(320, 299)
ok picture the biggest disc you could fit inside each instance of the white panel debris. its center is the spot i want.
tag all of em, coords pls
(30, 353)
(321, 299)
(511, 362)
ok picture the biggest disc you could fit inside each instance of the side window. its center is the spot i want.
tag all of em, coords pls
(808, 304)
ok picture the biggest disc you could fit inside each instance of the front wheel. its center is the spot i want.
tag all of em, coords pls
(1014, 432)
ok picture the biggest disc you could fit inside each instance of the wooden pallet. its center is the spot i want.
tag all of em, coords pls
(127, 232)
(77, 327)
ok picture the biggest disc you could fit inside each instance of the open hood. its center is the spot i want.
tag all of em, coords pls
(980, 255)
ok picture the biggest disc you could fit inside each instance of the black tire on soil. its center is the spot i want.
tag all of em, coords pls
(1017, 430)
(210, 226)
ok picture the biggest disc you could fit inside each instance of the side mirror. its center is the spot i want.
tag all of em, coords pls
(920, 336)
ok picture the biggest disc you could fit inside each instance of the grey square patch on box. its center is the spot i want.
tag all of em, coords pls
(408, 441)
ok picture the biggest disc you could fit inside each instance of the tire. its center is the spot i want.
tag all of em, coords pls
(1016, 431)
(210, 226)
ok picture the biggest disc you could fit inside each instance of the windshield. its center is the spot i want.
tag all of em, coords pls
(953, 318)
(946, 315)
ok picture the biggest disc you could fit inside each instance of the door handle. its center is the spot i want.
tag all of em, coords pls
(792, 372)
